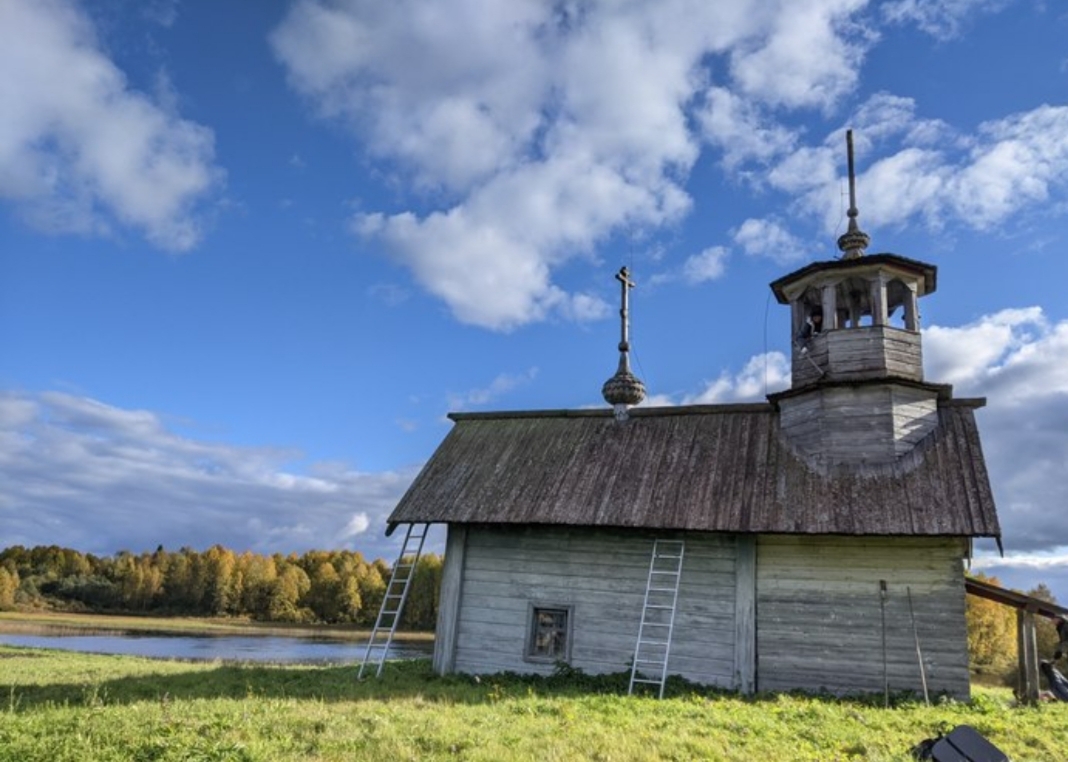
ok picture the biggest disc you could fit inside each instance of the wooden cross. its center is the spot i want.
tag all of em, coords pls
(625, 283)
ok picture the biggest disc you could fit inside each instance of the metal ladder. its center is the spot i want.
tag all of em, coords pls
(393, 601)
(658, 615)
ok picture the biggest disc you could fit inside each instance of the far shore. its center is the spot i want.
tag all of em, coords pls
(51, 622)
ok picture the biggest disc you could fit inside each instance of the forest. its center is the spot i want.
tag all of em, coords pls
(331, 587)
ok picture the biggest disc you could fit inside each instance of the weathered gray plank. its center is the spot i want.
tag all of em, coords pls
(449, 600)
(605, 585)
(818, 614)
(745, 615)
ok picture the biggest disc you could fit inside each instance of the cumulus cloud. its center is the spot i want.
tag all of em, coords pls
(973, 355)
(740, 128)
(710, 264)
(80, 151)
(926, 172)
(498, 387)
(810, 57)
(1018, 360)
(535, 131)
(769, 238)
(84, 474)
(939, 18)
(1023, 571)
(763, 374)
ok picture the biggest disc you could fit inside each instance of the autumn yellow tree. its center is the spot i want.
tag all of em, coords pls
(991, 632)
(1045, 632)
(9, 585)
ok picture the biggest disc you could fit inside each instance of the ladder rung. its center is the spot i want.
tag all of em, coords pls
(665, 568)
(390, 610)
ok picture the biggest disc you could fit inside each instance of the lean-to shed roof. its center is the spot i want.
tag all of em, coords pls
(706, 468)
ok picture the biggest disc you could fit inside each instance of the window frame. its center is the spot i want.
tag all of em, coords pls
(534, 608)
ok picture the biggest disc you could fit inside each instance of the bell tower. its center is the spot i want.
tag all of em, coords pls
(858, 394)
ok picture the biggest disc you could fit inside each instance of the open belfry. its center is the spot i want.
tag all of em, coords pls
(813, 541)
(858, 394)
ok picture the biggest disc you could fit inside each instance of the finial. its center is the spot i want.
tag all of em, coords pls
(854, 241)
(624, 388)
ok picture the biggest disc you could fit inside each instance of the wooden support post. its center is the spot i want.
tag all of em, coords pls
(745, 614)
(912, 310)
(830, 307)
(1027, 652)
(878, 301)
(798, 316)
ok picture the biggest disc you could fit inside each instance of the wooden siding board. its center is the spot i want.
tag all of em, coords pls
(823, 631)
(451, 591)
(606, 599)
(745, 615)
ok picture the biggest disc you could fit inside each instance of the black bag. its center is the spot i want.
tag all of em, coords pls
(962, 744)
(1058, 685)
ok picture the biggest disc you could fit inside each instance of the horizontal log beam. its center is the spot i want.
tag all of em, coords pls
(1012, 598)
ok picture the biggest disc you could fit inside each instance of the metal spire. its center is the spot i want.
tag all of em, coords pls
(854, 241)
(624, 388)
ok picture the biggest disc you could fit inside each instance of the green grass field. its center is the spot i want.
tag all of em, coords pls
(59, 706)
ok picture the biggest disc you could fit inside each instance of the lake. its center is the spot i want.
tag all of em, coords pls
(266, 648)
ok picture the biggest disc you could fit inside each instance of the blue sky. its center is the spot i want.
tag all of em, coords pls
(252, 253)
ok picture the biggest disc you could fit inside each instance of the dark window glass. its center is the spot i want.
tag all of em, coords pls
(548, 637)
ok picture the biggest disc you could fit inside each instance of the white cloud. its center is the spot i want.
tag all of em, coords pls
(762, 375)
(499, 386)
(971, 355)
(710, 264)
(356, 526)
(807, 170)
(1023, 571)
(740, 129)
(768, 238)
(535, 131)
(162, 12)
(885, 115)
(934, 175)
(1018, 360)
(1013, 165)
(82, 152)
(83, 474)
(810, 56)
(940, 18)
(388, 293)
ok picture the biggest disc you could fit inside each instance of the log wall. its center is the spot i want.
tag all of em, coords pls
(819, 625)
(601, 576)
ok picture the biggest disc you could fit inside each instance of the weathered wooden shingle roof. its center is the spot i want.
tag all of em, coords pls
(707, 468)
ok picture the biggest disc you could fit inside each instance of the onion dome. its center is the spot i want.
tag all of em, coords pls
(624, 389)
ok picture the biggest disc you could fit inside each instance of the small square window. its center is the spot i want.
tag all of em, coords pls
(549, 633)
